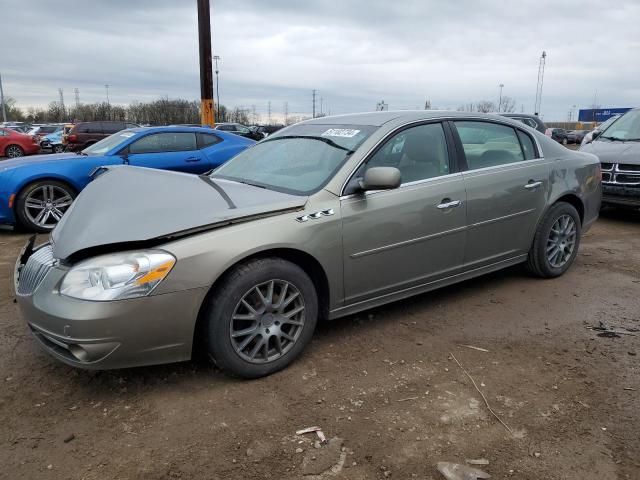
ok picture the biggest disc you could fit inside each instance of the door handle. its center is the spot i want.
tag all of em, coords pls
(446, 203)
(192, 159)
(532, 184)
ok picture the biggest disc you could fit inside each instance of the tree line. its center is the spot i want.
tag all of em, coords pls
(164, 111)
(507, 105)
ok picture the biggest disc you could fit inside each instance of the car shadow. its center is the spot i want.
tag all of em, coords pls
(622, 215)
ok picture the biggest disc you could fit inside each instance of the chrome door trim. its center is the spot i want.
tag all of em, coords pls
(391, 246)
(498, 219)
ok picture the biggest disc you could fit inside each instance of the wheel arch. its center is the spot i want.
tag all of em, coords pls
(304, 260)
(574, 200)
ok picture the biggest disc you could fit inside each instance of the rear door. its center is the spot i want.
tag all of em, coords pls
(410, 236)
(507, 184)
(168, 151)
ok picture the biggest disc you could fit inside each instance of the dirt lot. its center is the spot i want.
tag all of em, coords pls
(384, 382)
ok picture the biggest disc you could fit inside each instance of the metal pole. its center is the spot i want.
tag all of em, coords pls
(106, 87)
(216, 58)
(207, 108)
(500, 98)
(4, 111)
(314, 104)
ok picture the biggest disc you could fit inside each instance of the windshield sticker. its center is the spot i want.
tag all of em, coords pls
(341, 132)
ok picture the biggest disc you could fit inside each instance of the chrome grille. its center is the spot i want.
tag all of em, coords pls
(621, 174)
(34, 271)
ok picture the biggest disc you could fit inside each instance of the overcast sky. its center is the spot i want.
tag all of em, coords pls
(354, 52)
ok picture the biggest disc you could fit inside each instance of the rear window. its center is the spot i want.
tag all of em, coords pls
(207, 139)
(91, 127)
(112, 127)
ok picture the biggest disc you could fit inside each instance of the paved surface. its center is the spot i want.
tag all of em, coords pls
(384, 383)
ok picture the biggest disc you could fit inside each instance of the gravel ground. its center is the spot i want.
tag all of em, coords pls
(383, 385)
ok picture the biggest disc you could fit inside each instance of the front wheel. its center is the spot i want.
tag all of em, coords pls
(40, 205)
(261, 318)
(58, 149)
(556, 241)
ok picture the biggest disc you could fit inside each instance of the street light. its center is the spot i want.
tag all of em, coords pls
(216, 58)
(500, 98)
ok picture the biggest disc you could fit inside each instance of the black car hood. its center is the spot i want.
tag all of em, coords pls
(614, 152)
(130, 205)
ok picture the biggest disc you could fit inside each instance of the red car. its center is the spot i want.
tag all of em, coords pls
(14, 144)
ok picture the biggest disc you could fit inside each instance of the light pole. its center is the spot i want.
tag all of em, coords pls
(207, 108)
(500, 97)
(216, 58)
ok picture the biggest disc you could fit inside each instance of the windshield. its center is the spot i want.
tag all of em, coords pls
(106, 144)
(627, 127)
(298, 160)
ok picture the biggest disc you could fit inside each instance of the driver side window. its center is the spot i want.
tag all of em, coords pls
(418, 152)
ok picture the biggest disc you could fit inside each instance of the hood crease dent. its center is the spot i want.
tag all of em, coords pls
(132, 205)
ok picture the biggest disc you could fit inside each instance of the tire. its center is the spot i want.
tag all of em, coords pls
(565, 141)
(14, 151)
(58, 149)
(225, 313)
(538, 261)
(53, 197)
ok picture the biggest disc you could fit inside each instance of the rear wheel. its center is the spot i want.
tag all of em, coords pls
(58, 148)
(40, 205)
(261, 317)
(556, 241)
(14, 151)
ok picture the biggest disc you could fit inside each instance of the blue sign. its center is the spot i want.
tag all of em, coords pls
(599, 114)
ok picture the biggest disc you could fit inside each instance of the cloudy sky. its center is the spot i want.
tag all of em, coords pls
(354, 52)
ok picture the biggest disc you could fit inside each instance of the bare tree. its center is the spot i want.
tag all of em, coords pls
(508, 105)
(485, 106)
(467, 107)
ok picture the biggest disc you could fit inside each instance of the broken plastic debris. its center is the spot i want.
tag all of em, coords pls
(455, 471)
(478, 461)
(317, 430)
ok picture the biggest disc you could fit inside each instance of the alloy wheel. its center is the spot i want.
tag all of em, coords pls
(267, 321)
(14, 151)
(45, 205)
(561, 241)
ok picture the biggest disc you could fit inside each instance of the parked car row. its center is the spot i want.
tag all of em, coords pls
(35, 192)
(247, 259)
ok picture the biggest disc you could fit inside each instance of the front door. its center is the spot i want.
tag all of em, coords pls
(412, 235)
(168, 151)
(507, 184)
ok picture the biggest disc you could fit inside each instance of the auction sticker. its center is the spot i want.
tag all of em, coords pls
(341, 132)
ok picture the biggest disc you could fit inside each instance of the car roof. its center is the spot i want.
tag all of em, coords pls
(377, 119)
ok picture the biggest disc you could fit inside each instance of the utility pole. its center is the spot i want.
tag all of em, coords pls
(216, 58)
(314, 104)
(207, 108)
(77, 94)
(500, 97)
(4, 110)
(543, 61)
(286, 112)
(269, 111)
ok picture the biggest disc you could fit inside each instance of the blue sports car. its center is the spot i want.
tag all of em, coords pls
(36, 191)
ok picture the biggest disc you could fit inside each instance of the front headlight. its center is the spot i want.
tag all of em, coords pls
(117, 276)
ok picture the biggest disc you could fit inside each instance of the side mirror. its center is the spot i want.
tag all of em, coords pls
(380, 178)
(595, 134)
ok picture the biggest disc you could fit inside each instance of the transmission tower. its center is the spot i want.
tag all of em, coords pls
(543, 59)
(77, 94)
(286, 112)
(269, 111)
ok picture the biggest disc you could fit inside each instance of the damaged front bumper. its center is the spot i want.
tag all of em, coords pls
(103, 335)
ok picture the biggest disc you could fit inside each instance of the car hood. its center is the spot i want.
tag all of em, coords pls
(614, 152)
(132, 205)
(37, 159)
